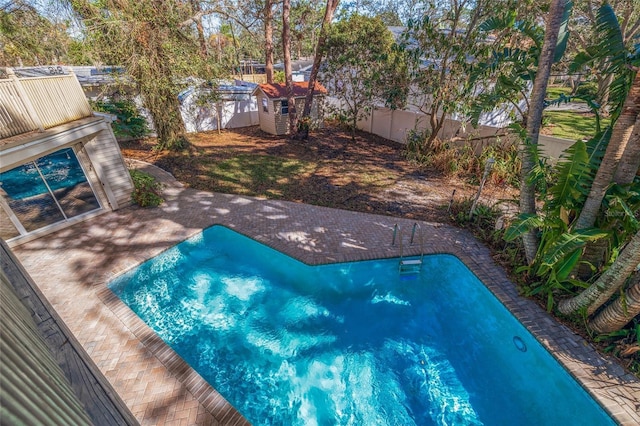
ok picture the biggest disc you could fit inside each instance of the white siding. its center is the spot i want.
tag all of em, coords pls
(267, 120)
(104, 152)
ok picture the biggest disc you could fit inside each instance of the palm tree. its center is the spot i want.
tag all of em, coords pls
(534, 119)
(620, 312)
(609, 282)
(620, 137)
(630, 160)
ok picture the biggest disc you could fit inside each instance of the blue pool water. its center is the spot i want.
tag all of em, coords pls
(350, 343)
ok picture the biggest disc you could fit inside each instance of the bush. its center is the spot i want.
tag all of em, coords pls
(588, 89)
(488, 224)
(129, 122)
(146, 190)
(461, 161)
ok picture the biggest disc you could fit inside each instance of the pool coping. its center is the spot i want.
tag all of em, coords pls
(313, 235)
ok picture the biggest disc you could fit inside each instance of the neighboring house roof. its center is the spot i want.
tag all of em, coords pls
(296, 65)
(277, 90)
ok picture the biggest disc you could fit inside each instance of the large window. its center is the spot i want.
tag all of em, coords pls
(48, 190)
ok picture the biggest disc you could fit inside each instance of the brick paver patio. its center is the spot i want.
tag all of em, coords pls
(72, 267)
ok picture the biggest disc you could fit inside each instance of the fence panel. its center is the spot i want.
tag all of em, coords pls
(14, 114)
(56, 99)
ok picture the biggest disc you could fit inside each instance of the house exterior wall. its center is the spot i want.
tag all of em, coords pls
(47, 376)
(105, 156)
(267, 119)
(98, 152)
(282, 121)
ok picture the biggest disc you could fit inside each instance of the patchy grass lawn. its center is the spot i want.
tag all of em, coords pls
(368, 174)
(571, 125)
(554, 92)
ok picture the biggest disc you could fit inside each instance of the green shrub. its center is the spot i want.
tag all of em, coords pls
(146, 190)
(129, 122)
(588, 88)
(488, 224)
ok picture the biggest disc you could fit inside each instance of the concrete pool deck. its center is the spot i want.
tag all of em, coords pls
(71, 267)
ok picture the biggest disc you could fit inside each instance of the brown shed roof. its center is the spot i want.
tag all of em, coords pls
(277, 90)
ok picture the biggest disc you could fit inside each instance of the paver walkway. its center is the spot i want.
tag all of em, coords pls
(72, 267)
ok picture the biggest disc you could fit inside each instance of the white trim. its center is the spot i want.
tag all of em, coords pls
(53, 227)
(76, 148)
(66, 220)
(12, 217)
(23, 153)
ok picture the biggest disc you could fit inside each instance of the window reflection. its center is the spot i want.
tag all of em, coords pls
(48, 190)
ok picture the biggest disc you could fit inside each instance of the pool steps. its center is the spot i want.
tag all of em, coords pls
(411, 265)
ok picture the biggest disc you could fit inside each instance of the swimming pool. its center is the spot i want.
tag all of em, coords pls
(288, 343)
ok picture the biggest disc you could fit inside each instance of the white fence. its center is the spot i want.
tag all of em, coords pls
(38, 103)
(396, 124)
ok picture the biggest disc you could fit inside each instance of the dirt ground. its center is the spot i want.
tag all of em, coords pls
(368, 174)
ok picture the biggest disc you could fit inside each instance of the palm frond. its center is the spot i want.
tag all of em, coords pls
(497, 23)
(531, 30)
(563, 34)
(565, 247)
(523, 224)
(609, 34)
(574, 175)
(609, 45)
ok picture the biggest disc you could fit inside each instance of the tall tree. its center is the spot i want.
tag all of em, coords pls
(196, 8)
(439, 47)
(534, 118)
(28, 38)
(152, 40)
(629, 164)
(317, 60)
(288, 72)
(587, 28)
(268, 40)
(358, 56)
(620, 136)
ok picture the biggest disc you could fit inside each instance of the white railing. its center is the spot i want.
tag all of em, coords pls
(39, 103)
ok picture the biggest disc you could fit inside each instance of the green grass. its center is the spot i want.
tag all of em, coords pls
(260, 175)
(554, 92)
(572, 125)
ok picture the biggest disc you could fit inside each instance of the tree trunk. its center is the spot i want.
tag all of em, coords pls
(609, 282)
(630, 161)
(620, 136)
(288, 72)
(534, 120)
(268, 41)
(317, 59)
(620, 312)
(196, 7)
